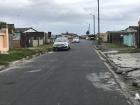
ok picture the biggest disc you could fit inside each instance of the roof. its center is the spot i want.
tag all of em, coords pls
(24, 29)
(123, 31)
(11, 26)
(69, 34)
(133, 27)
(114, 31)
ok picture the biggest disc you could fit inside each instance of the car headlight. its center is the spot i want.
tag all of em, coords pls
(65, 44)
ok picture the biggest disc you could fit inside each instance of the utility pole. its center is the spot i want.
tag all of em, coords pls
(138, 36)
(98, 22)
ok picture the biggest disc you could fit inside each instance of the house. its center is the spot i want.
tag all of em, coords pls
(29, 37)
(18, 40)
(33, 39)
(115, 37)
(130, 36)
(4, 40)
(103, 37)
(11, 30)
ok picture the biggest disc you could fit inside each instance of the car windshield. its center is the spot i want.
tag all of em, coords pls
(61, 40)
(76, 38)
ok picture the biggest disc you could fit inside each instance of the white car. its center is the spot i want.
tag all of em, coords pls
(61, 43)
(76, 40)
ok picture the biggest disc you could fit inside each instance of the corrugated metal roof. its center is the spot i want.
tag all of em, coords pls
(24, 29)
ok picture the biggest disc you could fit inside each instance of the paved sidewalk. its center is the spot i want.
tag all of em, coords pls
(126, 68)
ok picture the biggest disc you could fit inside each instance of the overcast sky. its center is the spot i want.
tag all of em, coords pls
(60, 16)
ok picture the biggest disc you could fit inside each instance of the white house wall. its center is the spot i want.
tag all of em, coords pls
(41, 42)
(105, 38)
(35, 43)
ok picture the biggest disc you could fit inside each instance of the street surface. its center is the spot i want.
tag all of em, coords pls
(75, 77)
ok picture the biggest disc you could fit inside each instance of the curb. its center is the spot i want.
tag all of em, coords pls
(113, 67)
(108, 60)
(2, 67)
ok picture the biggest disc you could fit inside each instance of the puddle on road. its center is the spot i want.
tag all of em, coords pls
(103, 81)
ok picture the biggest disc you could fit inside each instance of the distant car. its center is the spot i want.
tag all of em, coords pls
(76, 40)
(87, 38)
(61, 43)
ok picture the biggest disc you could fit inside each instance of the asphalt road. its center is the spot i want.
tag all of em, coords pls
(75, 77)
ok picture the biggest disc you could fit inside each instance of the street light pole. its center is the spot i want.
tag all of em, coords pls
(98, 22)
(93, 24)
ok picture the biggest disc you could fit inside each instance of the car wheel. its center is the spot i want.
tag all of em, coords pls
(69, 48)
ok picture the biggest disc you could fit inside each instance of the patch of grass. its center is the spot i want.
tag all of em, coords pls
(116, 45)
(4, 63)
(122, 48)
(17, 54)
(130, 50)
(44, 48)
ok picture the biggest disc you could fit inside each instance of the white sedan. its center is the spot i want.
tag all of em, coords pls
(76, 40)
(61, 43)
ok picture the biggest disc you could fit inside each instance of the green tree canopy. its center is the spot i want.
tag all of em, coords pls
(2, 24)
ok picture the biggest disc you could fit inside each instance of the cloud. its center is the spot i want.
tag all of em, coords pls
(69, 15)
(14, 3)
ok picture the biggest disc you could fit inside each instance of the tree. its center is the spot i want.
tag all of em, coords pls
(87, 33)
(2, 24)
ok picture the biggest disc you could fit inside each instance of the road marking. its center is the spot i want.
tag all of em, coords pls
(4, 70)
(51, 52)
(33, 71)
(7, 69)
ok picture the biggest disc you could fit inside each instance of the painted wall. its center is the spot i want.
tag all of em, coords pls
(129, 40)
(4, 40)
(1, 42)
(103, 37)
(16, 44)
(114, 37)
(16, 40)
(41, 42)
(36, 42)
